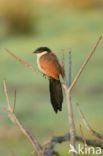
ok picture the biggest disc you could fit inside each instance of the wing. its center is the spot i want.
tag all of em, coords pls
(50, 64)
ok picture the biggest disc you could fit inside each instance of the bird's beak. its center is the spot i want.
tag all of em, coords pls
(34, 52)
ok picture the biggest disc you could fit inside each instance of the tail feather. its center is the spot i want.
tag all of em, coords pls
(56, 94)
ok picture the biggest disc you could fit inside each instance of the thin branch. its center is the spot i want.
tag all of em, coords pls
(68, 92)
(71, 123)
(85, 63)
(87, 125)
(25, 63)
(60, 139)
(70, 108)
(82, 134)
(14, 99)
(63, 66)
(6, 95)
(70, 69)
(62, 59)
(36, 146)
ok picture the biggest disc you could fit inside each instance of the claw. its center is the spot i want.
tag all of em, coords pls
(44, 76)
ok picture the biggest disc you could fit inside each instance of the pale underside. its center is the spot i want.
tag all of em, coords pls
(48, 64)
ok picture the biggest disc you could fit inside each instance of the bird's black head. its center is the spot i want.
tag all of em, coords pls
(42, 49)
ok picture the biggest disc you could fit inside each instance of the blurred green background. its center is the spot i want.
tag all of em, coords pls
(61, 25)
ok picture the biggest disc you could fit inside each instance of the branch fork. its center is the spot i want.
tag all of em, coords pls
(71, 136)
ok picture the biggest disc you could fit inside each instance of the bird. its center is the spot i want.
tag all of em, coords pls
(49, 65)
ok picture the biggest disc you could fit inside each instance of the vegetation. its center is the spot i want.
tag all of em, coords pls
(18, 16)
(58, 29)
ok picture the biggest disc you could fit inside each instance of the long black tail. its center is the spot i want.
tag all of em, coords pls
(56, 94)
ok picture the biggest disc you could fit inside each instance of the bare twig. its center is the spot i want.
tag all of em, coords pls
(70, 69)
(6, 95)
(82, 134)
(69, 89)
(28, 65)
(36, 146)
(71, 136)
(14, 99)
(62, 59)
(87, 125)
(84, 64)
(71, 123)
(60, 139)
(70, 109)
(63, 66)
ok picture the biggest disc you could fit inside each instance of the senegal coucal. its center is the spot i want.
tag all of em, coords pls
(49, 65)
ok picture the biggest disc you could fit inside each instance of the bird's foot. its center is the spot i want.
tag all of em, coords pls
(44, 76)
